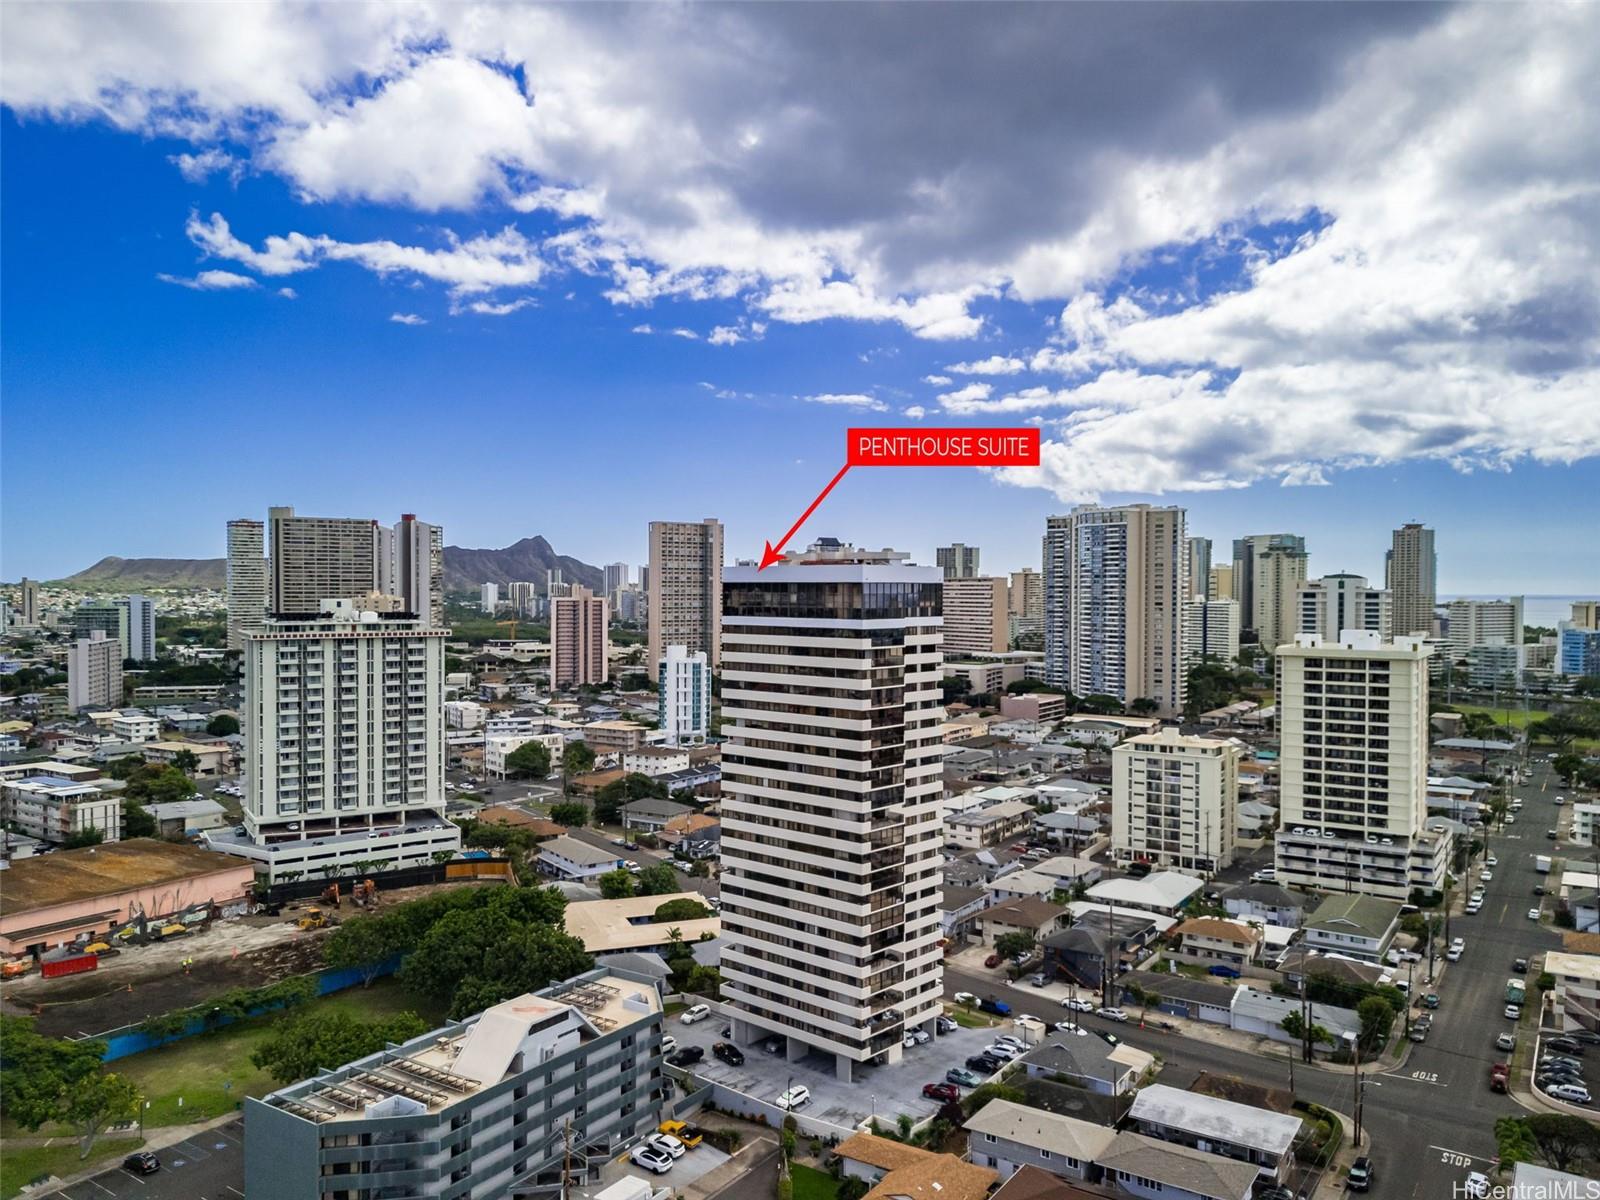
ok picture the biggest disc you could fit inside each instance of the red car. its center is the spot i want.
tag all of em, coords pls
(992, 961)
(945, 1092)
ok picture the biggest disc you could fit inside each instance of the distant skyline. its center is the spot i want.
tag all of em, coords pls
(1321, 269)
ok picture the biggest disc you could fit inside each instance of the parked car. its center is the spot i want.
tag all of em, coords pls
(142, 1163)
(689, 1135)
(1486, 875)
(946, 1025)
(1430, 1000)
(998, 1007)
(963, 1077)
(773, 1045)
(1565, 1044)
(667, 1144)
(1538, 889)
(695, 1012)
(1359, 1178)
(668, 1044)
(1078, 1004)
(1011, 1039)
(1004, 1051)
(1586, 1037)
(729, 1053)
(1572, 1093)
(1265, 875)
(1111, 1014)
(1506, 1041)
(1533, 914)
(686, 1057)
(1453, 954)
(1477, 1185)
(986, 1063)
(964, 998)
(655, 1161)
(1520, 966)
(1560, 1060)
(994, 960)
(794, 1097)
(1223, 971)
(948, 1093)
(1038, 979)
(1026, 1021)
(1513, 1012)
(921, 1036)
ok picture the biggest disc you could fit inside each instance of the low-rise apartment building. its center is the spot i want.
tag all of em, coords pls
(1221, 1127)
(655, 761)
(1006, 1136)
(989, 826)
(132, 725)
(618, 736)
(500, 746)
(568, 858)
(1576, 995)
(1209, 941)
(499, 1104)
(1355, 925)
(211, 759)
(54, 810)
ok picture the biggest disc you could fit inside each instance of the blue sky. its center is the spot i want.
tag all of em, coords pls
(1272, 341)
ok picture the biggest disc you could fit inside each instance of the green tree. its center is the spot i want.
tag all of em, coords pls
(186, 761)
(1100, 703)
(1568, 766)
(157, 783)
(1564, 1141)
(1377, 1019)
(658, 880)
(531, 760)
(1144, 706)
(1014, 945)
(365, 943)
(223, 725)
(1021, 687)
(640, 786)
(617, 885)
(705, 981)
(577, 759)
(300, 1046)
(89, 836)
(1295, 1028)
(571, 813)
(477, 957)
(981, 1095)
(136, 822)
(955, 687)
(608, 802)
(680, 910)
(49, 1079)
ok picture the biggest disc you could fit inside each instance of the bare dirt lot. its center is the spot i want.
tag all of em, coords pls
(143, 981)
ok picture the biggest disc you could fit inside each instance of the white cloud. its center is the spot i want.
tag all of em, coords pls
(689, 334)
(407, 319)
(725, 335)
(995, 364)
(915, 411)
(288, 293)
(848, 400)
(937, 380)
(969, 398)
(489, 308)
(211, 281)
(648, 329)
(197, 168)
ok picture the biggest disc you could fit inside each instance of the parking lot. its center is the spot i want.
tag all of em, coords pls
(209, 1166)
(692, 1166)
(881, 1091)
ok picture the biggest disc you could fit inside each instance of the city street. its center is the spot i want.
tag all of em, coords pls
(1431, 1119)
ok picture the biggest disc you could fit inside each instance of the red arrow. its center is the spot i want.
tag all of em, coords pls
(773, 553)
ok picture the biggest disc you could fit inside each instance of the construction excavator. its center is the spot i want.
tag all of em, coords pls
(364, 894)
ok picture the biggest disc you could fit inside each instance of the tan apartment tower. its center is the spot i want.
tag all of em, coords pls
(684, 590)
(578, 641)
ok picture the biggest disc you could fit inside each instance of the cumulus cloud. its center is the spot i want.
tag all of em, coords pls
(288, 293)
(210, 281)
(197, 168)
(1438, 296)
(915, 411)
(407, 319)
(649, 329)
(849, 400)
(490, 308)
(687, 334)
(995, 364)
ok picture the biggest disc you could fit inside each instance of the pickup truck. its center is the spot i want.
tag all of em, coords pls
(1497, 1077)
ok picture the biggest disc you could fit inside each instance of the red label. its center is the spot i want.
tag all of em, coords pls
(916, 447)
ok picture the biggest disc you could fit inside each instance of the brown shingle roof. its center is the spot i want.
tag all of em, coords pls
(1214, 927)
(1033, 1183)
(942, 1177)
(884, 1153)
(1028, 912)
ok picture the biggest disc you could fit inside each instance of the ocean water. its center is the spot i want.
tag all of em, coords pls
(1536, 610)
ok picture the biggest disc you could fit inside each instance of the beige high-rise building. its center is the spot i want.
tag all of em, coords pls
(1175, 801)
(1476, 623)
(957, 561)
(1247, 553)
(1114, 584)
(94, 672)
(1026, 594)
(1353, 726)
(29, 609)
(684, 590)
(1330, 605)
(975, 616)
(321, 558)
(1221, 586)
(1585, 614)
(1411, 568)
(1199, 568)
(246, 580)
(1210, 631)
(579, 643)
(1278, 574)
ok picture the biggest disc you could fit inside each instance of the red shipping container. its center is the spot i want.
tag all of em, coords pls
(50, 968)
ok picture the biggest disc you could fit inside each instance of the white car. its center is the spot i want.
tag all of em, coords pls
(1004, 1051)
(667, 1144)
(1572, 1093)
(1491, 861)
(795, 1097)
(1453, 954)
(668, 1044)
(1533, 914)
(1506, 1041)
(921, 1036)
(651, 1159)
(697, 1012)
(964, 998)
(1477, 1185)
(1265, 875)
(1023, 1020)
(1069, 1027)
(1486, 875)
(1078, 1004)
(1011, 1039)
(1111, 1014)
(1513, 1012)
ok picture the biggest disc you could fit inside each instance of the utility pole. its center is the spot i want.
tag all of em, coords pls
(1359, 1090)
(1305, 1017)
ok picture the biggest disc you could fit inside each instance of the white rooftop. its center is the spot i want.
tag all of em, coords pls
(1159, 889)
(1211, 1117)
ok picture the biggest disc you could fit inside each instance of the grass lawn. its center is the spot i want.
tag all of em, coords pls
(1515, 716)
(812, 1184)
(676, 1006)
(212, 1073)
(23, 1164)
(967, 1018)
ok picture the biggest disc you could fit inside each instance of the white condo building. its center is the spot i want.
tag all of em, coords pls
(1353, 723)
(1334, 603)
(832, 786)
(683, 589)
(683, 701)
(1210, 630)
(94, 672)
(247, 580)
(1175, 801)
(343, 726)
(1115, 584)
(1483, 623)
(489, 597)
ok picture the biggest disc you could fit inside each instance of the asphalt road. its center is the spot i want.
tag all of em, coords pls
(209, 1166)
(1432, 1118)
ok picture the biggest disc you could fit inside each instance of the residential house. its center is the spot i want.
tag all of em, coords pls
(1080, 954)
(180, 818)
(690, 828)
(1354, 925)
(898, 1171)
(958, 906)
(1016, 885)
(1263, 1013)
(1037, 918)
(651, 814)
(1083, 1060)
(1265, 902)
(1209, 941)
(1217, 1126)
(568, 858)
(1163, 892)
(1576, 995)
(1178, 995)
(1151, 1169)
(1033, 1183)
(1009, 1137)
(213, 758)
(989, 826)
